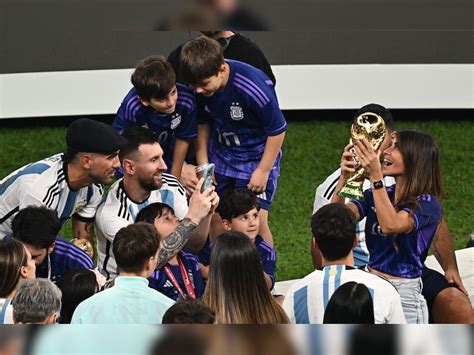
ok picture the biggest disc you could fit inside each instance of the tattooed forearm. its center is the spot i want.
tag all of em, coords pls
(173, 243)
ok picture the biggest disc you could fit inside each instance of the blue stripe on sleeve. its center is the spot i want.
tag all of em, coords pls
(37, 168)
(300, 306)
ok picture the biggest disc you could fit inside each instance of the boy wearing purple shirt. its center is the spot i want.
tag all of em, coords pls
(241, 127)
(239, 210)
(167, 108)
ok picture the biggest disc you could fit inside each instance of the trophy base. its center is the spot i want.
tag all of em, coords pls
(353, 192)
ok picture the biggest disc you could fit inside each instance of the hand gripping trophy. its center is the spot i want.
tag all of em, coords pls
(371, 127)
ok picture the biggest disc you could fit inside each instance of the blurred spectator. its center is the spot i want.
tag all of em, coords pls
(37, 302)
(37, 228)
(189, 311)
(351, 303)
(333, 227)
(236, 288)
(75, 286)
(130, 300)
(181, 275)
(15, 264)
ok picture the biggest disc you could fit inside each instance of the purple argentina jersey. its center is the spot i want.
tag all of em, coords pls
(160, 281)
(241, 118)
(180, 124)
(267, 257)
(65, 256)
(412, 248)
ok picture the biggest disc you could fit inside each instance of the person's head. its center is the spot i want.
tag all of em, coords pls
(15, 264)
(334, 231)
(189, 311)
(136, 248)
(36, 301)
(36, 227)
(387, 117)
(415, 156)
(161, 216)
(202, 65)
(236, 288)
(93, 146)
(142, 158)
(239, 212)
(351, 303)
(76, 286)
(155, 82)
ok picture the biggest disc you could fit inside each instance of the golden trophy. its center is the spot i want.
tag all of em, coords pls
(85, 245)
(371, 127)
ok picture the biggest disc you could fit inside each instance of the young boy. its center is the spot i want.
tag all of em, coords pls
(167, 108)
(181, 276)
(239, 210)
(241, 127)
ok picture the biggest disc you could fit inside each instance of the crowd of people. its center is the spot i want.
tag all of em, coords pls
(164, 249)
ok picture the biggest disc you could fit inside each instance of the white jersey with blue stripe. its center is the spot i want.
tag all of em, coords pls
(44, 183)
(307, 298)
(118, 210)
(323, 196)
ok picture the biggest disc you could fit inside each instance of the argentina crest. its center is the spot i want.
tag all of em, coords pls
(236, 112)
(176, 120)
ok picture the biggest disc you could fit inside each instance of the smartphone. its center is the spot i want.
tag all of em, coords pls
(207, 172)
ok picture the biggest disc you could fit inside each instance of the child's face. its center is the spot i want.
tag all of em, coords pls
(166, 223)
(167, 105)
(247, 223)
(213, 84)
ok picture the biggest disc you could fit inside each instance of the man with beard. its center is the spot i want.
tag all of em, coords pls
(67, 183)
(144, 182)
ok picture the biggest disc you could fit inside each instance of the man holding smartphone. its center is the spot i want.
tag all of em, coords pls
(144, 181)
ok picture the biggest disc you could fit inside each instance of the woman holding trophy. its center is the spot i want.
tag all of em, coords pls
(402, 219)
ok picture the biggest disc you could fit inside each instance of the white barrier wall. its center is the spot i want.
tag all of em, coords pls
(299, 87)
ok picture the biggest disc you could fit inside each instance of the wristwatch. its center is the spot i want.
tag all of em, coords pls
(378, 184)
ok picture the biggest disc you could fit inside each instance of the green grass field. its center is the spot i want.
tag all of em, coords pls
(311, 152)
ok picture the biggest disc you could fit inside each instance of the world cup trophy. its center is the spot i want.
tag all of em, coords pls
(371, 127)
(85, 245)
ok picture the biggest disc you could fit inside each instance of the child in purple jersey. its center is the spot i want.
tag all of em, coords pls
(241, 127)
(181, 276)
(239, 210)
(403, 219)
(167, 108)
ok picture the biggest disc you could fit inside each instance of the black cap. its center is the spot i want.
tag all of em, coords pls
(85, 135)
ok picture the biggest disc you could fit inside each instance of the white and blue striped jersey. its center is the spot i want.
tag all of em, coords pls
(44, 183)
(323, 196)
(306, 300)
(118, 210)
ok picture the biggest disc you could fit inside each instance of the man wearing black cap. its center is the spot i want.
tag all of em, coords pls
(67, 183)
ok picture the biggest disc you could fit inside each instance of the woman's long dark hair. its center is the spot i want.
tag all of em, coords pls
(351, 303)
(12, 257)
(422, 167)
(236, 289)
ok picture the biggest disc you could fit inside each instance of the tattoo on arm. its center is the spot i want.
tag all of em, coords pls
(173, 243)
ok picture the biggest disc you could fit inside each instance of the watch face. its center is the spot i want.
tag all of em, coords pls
(378, 184)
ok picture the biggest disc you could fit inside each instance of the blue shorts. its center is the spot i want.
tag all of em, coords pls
(433, 284)
(226, 183)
